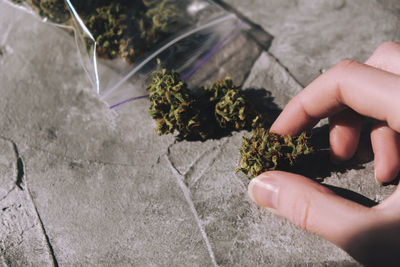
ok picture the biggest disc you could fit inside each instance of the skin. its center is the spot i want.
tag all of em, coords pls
(345, 94)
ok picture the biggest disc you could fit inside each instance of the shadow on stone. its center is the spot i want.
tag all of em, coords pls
(318, 165)
(351, 195)
(263, 102)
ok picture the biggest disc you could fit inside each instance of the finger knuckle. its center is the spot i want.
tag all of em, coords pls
(301, 215)
(394, 123)
(345, 65)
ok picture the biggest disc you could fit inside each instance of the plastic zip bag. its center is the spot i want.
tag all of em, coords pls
(201, 32)
(120, 41)
(184, 54)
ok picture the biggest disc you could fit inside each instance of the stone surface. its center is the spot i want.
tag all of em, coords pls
(313, 35)
(240, 233)
(8, 168)
(83, 185)
(94, 176)
(23, 242)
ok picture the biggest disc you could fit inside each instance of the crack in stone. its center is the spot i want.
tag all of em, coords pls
(191, 169)
(257, 33)
(19, 180)
(23, 231)
(20, 168)
(286, 69)
(2, 256)
(186, 192)
(210, 163)
(198, 159)
(18, 183)
(50, 247)
(44, 232)
(9, 192)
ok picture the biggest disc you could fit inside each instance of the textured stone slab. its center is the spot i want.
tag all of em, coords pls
(8, 168)
(310, 36)
(240, 233)
(112, 214)
(102, 194)
(23, 242)
(268, 74)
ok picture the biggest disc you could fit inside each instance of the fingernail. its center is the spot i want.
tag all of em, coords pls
(264, 191)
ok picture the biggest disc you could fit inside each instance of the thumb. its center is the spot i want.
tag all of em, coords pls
(310, 206)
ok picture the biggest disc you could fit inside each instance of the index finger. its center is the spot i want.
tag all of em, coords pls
(367, 90)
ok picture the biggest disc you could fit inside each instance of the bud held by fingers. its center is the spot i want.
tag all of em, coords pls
(267, 151)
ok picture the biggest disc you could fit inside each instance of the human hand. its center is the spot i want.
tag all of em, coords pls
(345, 94)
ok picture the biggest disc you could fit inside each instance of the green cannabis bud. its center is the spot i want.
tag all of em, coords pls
(218, 89)
(265, 151)
(126, 29)
(54, 10)
(172, 106)
(203, 113)
(130, 29)
(161, 19)
(221, 106)
(107, 24)
(232, 110)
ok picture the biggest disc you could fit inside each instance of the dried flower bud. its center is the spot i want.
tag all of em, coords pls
(265, 151)
(173, 108)
(221, 106)
(231, 110)
(54, 10)
(126, 29)
(218, 89)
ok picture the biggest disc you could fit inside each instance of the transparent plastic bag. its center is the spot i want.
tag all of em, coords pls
(197, 34)
(121, 41)
(184, 54)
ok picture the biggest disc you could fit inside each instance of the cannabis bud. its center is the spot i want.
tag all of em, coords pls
(130, 29)
(172, 106)
(232, 110)
(265, 151)
(54, 10)
(221, 106)
(126, 29)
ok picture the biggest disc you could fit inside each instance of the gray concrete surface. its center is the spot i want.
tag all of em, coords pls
(83, 186)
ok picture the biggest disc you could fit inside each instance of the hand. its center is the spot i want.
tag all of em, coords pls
(345, 93)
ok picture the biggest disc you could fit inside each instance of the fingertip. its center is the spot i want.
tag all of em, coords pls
(344, 135)
(294, 118)
(386, 147)
(385, 172)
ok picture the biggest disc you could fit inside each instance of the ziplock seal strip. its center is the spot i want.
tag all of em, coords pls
(195, 68)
